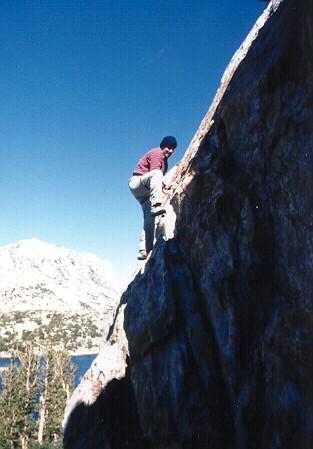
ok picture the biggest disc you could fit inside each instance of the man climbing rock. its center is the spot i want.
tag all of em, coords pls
(147, 186)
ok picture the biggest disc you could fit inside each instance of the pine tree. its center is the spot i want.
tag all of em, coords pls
(18, 400)
(57, 385)
(9, 409)
(27, 422)
(28, 377)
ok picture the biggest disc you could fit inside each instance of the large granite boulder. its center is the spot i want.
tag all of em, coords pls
(219, 321)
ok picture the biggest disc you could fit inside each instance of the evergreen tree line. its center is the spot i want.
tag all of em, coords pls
(34, 392)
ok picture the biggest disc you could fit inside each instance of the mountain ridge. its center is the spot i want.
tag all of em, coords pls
(33, 267)
(48, 290)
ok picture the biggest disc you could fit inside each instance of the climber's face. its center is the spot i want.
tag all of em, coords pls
(167, 152)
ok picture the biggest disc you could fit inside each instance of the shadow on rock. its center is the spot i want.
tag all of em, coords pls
(111, 422)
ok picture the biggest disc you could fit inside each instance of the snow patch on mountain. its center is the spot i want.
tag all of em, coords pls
(35, 275)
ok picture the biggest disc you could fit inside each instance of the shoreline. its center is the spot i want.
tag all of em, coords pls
(71, 353)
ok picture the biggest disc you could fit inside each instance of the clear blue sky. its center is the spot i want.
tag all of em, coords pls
(86, 88)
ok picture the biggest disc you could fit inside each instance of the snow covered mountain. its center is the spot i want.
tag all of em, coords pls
(35, 275)
(48, 292)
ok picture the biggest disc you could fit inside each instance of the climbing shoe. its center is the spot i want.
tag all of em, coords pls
(142, 255)
(157, 210)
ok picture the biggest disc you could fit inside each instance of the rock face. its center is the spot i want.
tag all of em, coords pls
(219, 321)
(102, 405)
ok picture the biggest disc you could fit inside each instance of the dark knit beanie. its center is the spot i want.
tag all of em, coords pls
(169, 142)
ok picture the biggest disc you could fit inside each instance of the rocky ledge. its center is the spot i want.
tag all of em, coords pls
(219, 320)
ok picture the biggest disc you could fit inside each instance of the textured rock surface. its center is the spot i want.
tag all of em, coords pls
(219, 321)
(87, 424)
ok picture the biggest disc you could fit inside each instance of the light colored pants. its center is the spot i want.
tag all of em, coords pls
(147, 189)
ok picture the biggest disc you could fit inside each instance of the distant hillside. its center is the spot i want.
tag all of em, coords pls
(50, 291)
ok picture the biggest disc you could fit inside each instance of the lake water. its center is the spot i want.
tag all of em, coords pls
(82, 364)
